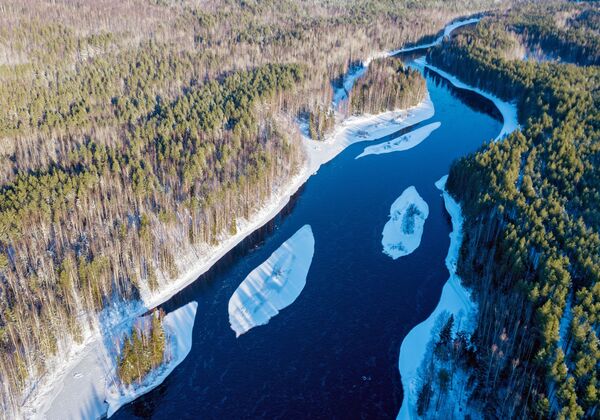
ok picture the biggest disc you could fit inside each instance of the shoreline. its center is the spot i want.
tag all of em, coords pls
(455, 298)
(178, 326)
(349, 132)
(507, 109)
(47, 389)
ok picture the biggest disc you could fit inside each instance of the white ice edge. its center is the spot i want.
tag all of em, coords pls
(507, 109)
(402, 143)
(178, 326)
(395, 241)
(455, 299)
(350, 131)
(447, 31)
(48, 388)
(273, 285)
(341, 93)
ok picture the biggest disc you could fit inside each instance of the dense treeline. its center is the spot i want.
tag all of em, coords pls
(135, 135)
(143, 351)
(320, 121)
(198, 163)
(387, 85)
(562, 30)
(441, 391)
(531, 248)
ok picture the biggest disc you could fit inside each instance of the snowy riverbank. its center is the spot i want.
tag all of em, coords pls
(402, 143)
(402, 233)
(507, 109)
(273, 285)
(55, 389)
(178, 326)
(90, 390)
(455, 300)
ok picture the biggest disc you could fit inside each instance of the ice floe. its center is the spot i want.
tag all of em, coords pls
(273, 285)
(402, 233)
(405, 142)
(455, 300)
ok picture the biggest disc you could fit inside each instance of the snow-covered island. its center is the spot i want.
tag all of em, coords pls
(402, 233)
(273, 285)
(455, 300)
(178, 326)
(405, 142)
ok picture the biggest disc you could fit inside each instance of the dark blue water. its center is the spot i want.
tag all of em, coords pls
(334, 352)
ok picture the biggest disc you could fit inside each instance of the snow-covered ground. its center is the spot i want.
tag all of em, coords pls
(447, 31)
(341, 93)
(402, 233)
(178, 326)
(89, 390)
(507, 109)
(565, 324)
(455, 300)
(77, 389)
(82, 395)
(405, 142)
(273, 285)
(52, 391)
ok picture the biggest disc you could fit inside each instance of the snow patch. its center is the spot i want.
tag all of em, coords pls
(273, 285)
(402, 233)
(402, 143)
(178, 326)
(565, 323)
(455, 300)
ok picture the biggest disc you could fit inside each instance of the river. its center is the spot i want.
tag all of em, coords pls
(333, 353)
